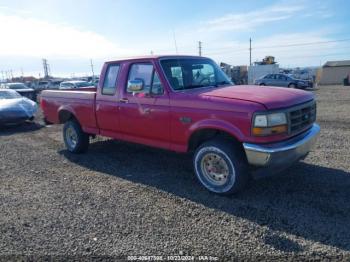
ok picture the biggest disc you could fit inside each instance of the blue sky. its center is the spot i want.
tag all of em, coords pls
(70, 33)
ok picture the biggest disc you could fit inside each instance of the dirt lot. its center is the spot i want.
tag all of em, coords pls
(123, 199)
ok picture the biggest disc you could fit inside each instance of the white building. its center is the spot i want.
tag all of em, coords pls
(257, 71)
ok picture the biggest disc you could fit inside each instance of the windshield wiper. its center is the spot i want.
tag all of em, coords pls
(210, 85)
(222, 83)
(195, 86)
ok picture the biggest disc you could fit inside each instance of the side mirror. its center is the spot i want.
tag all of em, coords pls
(135, 85)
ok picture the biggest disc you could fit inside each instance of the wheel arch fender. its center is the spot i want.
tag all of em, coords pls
(66, 113)
(203, 130)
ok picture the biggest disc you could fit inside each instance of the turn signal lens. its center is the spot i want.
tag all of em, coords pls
(267, 131)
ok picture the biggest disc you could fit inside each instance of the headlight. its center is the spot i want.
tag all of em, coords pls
(269, 124)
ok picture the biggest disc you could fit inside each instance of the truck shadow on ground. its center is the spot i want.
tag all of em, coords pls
(307, 201)
(7, 130)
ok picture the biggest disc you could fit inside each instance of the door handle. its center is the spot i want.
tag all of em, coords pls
(124, 100)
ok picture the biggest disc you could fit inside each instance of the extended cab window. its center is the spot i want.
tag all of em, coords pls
(149, 77)
(110, 82)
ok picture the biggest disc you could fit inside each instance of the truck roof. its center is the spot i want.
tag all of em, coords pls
(135, 58)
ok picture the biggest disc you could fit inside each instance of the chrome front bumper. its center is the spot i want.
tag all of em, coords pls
(273, 158)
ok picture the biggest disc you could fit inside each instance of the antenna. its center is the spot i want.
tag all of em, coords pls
(175, 41)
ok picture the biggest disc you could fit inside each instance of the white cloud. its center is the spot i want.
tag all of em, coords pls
(253, 19)
(36, 38)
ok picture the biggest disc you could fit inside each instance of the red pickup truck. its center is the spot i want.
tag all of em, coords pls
(187, 104)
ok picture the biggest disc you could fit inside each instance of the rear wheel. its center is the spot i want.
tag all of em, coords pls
(221, 167)
(75, 139)
(292, 86)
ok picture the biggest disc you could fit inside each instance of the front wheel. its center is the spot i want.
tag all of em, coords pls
(75, 139)
(221, 167)
(292, 86)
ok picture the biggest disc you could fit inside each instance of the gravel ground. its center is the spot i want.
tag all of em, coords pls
(123, 199)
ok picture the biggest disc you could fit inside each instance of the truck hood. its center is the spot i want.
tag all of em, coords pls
(270, 97)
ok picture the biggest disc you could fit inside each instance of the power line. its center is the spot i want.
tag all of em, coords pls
(320, 55)
(303, 44)
(276, 46)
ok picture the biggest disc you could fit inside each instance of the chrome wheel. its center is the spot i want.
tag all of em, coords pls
(71, 137)
(220, 166)
(215, 169)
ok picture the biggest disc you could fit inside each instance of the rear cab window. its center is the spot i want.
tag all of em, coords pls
(110, 81)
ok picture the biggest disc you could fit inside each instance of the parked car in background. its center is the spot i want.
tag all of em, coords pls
(54, 84)
(94, 82)
(14, 108)
(283, 80)
(187, 104)
(75, 84)
(22, 89)
(41, 85)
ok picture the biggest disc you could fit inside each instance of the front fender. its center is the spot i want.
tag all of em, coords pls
(218, 125)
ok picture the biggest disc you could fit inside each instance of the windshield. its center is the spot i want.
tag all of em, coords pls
(9, 95)
(189, 73)
(82, 84)
(17, 86)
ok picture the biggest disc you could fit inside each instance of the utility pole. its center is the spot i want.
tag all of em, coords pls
(46, 68)
(49, 69)
(175, 43)
(250, 51)
(200, 48)
(92, 70)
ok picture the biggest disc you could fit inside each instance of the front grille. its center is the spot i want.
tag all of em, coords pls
(302, 117)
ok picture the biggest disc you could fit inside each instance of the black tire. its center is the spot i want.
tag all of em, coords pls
(262, 84)
(292, 85)
(238, 174)
(80, 142)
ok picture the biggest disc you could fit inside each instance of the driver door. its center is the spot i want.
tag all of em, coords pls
(144, 114)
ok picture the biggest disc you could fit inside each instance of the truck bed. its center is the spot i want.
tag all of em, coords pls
(81, 102)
